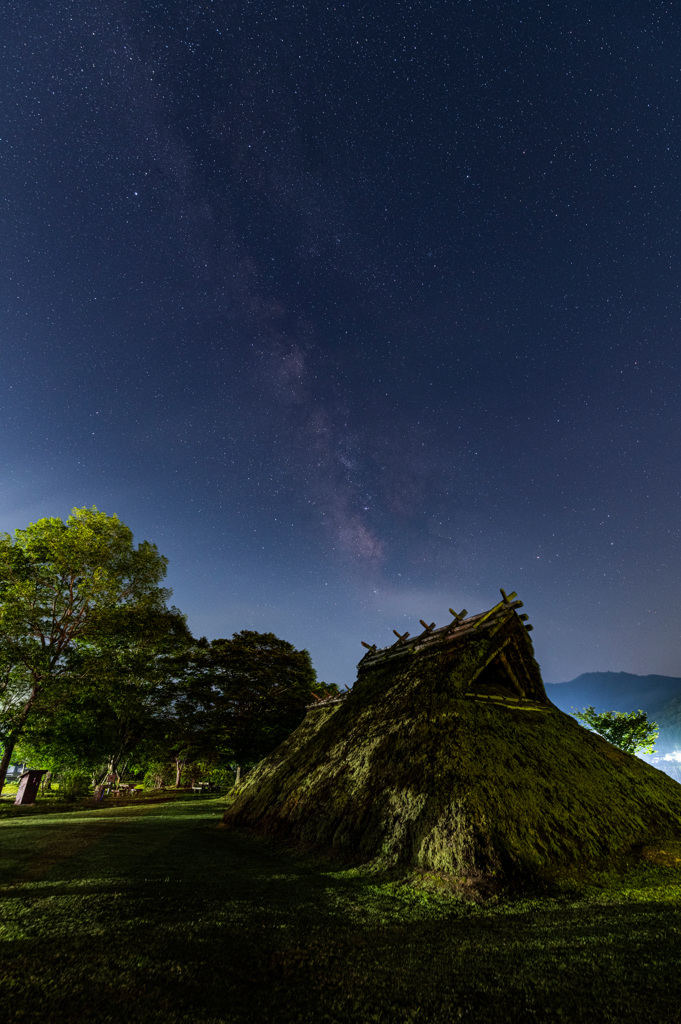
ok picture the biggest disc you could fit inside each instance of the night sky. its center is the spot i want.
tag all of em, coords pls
(358, 310)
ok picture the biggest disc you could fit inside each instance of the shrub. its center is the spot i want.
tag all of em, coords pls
(73, 783)
(158, 775)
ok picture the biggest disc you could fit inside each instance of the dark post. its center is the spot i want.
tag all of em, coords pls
(28, 785)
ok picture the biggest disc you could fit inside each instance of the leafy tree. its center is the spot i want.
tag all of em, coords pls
(65, 587)
(237, 699)
(259, 686)
(136, 683)
(123, 700)
(630, 731)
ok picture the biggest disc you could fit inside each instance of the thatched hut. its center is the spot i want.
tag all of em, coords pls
(448, 756)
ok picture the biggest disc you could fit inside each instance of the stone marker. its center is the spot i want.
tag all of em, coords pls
(28, 785)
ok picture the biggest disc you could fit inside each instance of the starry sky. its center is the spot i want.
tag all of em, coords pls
(359, 310)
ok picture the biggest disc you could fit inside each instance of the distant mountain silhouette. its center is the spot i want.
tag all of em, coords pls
(658, 696)
(615, 691)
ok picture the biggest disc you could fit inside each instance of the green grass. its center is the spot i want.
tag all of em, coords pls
(51, 802)
(150, 913)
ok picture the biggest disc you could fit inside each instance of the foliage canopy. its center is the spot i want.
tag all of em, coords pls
(243, 695)
(629, 730)
(66, 589)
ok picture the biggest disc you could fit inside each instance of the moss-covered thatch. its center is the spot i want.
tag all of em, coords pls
(448, 756)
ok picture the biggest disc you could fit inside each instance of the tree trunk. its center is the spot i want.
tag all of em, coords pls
(113, 763)
(9, 744)
(179, 766)
(238, 775)
(10, 741)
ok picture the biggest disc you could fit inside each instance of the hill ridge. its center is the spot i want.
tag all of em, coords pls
(658, 695)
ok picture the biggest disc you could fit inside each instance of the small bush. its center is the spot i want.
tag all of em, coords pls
(158, 775)
(74, 784)
(222, 778)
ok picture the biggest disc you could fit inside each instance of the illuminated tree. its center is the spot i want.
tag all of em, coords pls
(630, 731)
(65, 587)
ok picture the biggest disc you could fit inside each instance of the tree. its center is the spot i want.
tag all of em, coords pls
(238, 699)
(187, 731)
(123, 700)
(64, 588)
(630, 731)
(260, 685)
(136, 685)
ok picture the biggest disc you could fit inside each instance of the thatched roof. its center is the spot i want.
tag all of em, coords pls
(447, 755)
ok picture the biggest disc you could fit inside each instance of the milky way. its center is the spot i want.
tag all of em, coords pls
(359, 311)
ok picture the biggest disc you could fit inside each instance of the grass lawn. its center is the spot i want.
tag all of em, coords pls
(149, 913)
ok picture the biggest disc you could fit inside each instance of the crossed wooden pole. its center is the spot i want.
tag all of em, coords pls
(508, 601)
